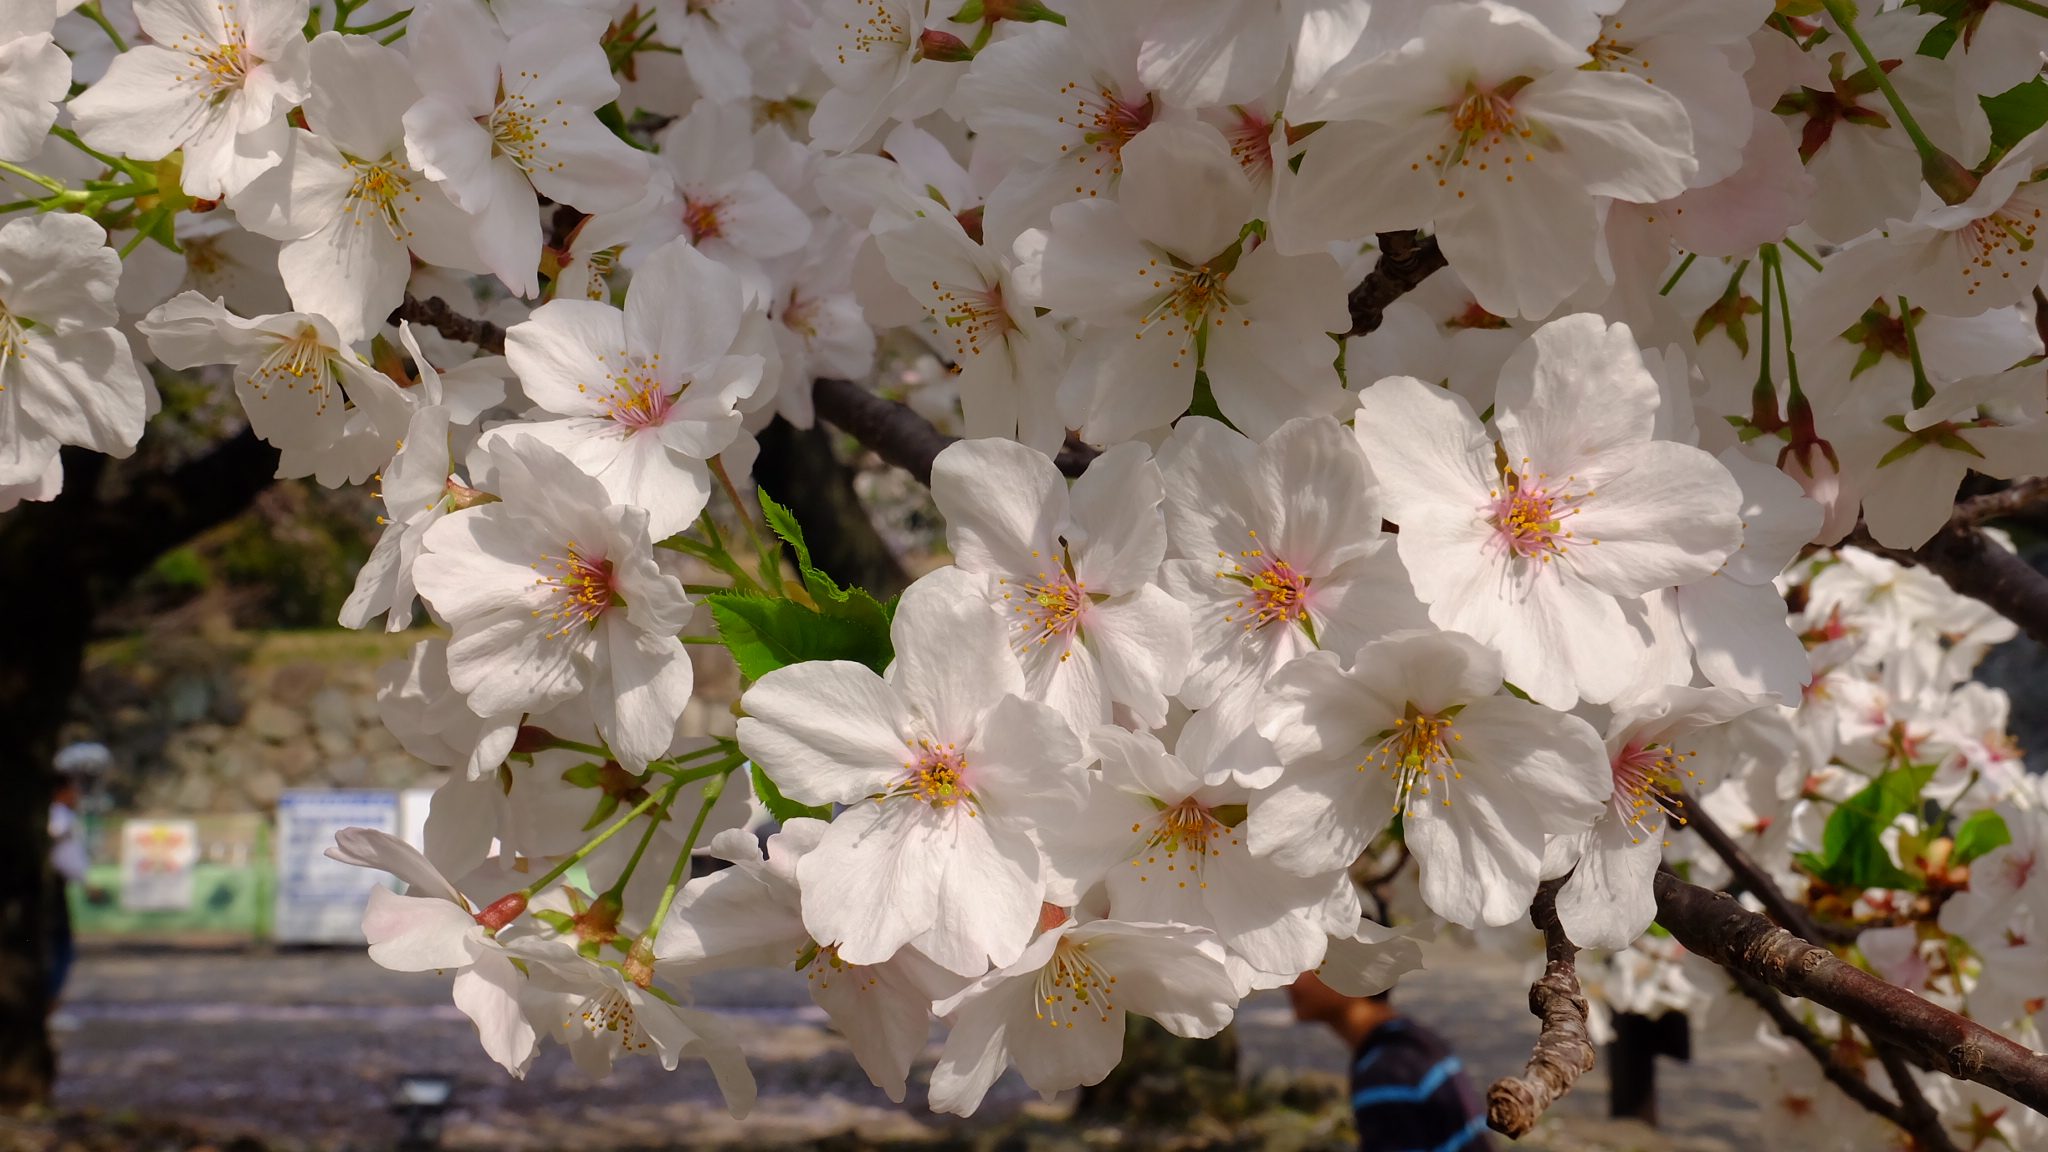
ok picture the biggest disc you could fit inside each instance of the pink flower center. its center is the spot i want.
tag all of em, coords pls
(1487, 136)
(1251, 142)
(973, 316)
(2019, 868)
(1275, 591)
(701, 218)
(1107, 122)
(1644, 773)
(1049, 606)
(1530, 511)
(936, 776)
(639, 396)
(583, 589)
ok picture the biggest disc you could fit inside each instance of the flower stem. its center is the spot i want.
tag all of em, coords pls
(712, 791)
(659, 799)
(1923, 389)
(374, 26)
(1802, 253)
(2029, 6)
(1684, 266)
(55, 186)
(1949, 179)
(91, 11)
(617, 892)
(770, 563)
(1774, 266)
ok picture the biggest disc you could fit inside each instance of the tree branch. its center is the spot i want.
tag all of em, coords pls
(1564, 1047)
(1749, 875)
(435, 313)
(1714, 925)
(1853, 1085)
(1975, 566)
(1406, 260)
(2021, 496)
(1916, 1115)
(899, 435)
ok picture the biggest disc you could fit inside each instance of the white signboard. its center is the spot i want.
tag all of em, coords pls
(320, 901)
(156, 864)
(413, 804)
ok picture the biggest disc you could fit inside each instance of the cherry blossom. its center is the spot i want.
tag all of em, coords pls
(945, 766)
(1074, 572)
(1443, 133)
(553, 592)
(66, 373)
(1057, 1014)
(504, 115)
(216, 83)
(1532, 544)
(1416, 727)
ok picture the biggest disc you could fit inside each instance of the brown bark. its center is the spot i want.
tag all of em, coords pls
(433, 312)
(1406, 260)
(1714, 925)
(1564, 1046)
(1851, 1082)
(1975, 566)
(900, 436)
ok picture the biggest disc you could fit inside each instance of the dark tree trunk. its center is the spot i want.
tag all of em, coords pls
(799, 469)
(61, 563)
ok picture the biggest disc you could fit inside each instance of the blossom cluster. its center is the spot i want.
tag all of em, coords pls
(1493, 573)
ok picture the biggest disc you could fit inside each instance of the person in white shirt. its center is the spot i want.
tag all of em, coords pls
(76, 764)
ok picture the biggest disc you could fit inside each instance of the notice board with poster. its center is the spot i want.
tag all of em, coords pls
(157, 862)
(320, 901)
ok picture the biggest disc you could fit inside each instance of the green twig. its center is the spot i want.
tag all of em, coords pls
(91, 11)
(56, 187)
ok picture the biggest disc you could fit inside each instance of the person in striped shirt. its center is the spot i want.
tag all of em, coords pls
(1409, 1091)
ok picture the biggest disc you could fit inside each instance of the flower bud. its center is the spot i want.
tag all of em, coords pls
(502, 911)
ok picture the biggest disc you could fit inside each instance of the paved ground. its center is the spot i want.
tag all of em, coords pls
(300, 1049)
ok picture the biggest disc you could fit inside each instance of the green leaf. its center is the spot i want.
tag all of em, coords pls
(559, 921)
(1851, 855)
(1978, 835)
(764, 634)
(855, 604)
(2015, 113)
(779, 806)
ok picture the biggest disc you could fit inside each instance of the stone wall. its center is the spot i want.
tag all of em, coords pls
(204, 719)
(225, 722)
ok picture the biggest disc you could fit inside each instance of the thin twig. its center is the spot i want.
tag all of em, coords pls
(1917, 1116)
(1750, 876)
(2020, 497)
(1853, 1084)
(1714, 925)
(1564, 1047)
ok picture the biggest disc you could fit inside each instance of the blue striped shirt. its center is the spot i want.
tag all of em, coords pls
(1409, 1093)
